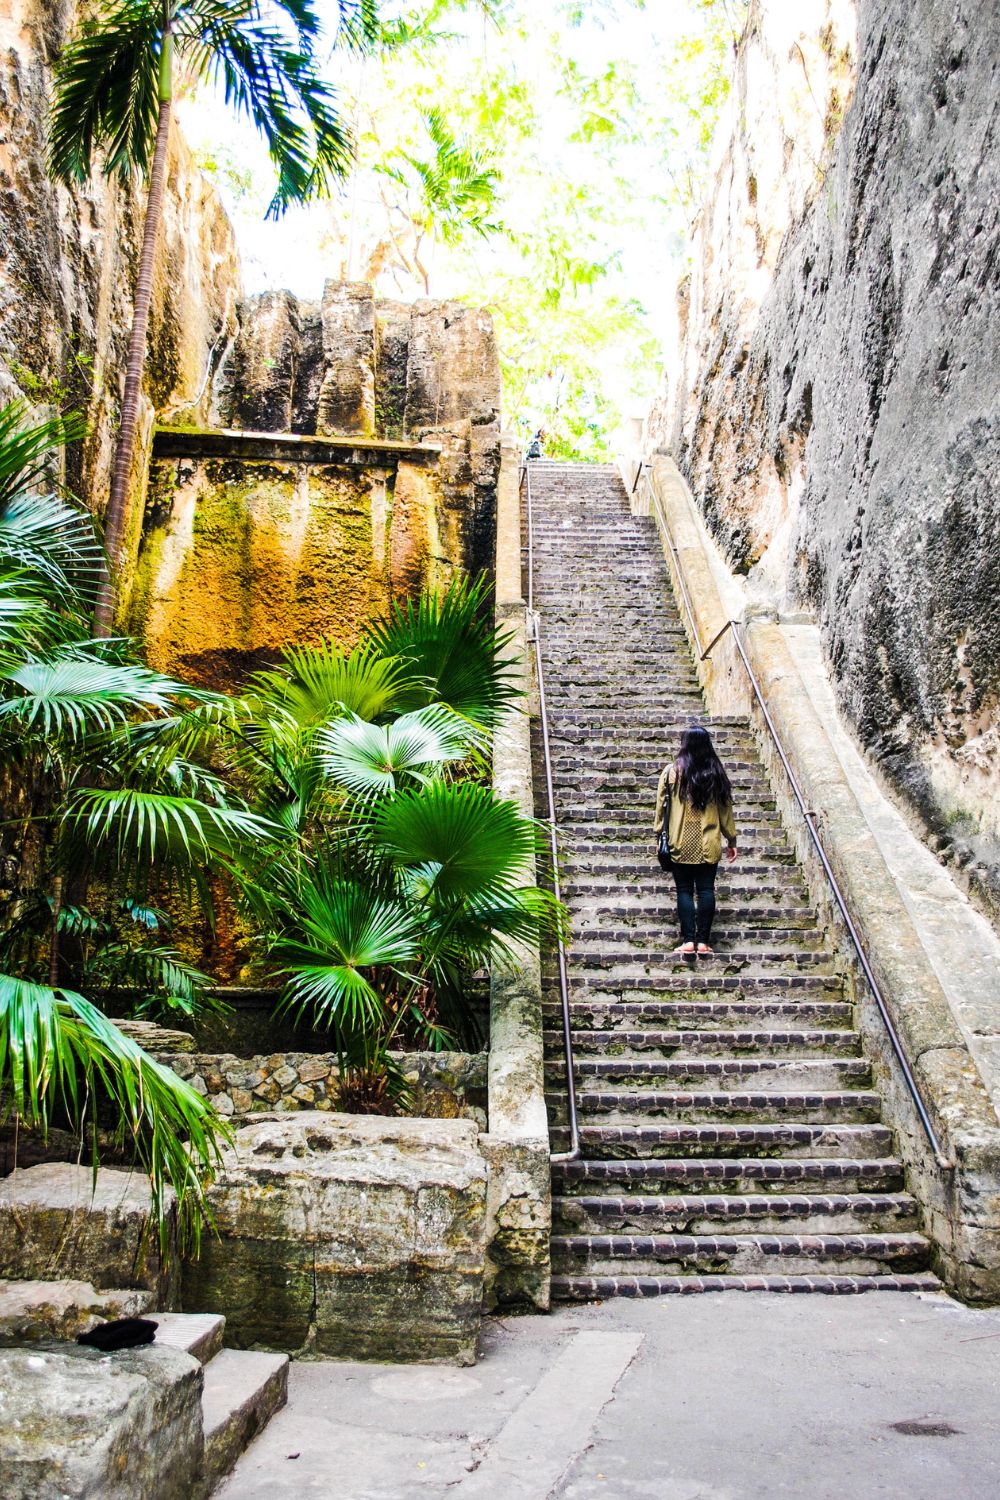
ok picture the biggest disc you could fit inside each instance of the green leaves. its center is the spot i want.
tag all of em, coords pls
(106, 96)
(144, 829)
(462, 839)
(453, 652)
(72, 693)
(341, 927)
(372, 759)
(317, 683)
(57, 1049)
(265, 54)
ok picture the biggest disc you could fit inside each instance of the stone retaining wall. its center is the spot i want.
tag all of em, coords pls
(519, 1203)
(444, 1085)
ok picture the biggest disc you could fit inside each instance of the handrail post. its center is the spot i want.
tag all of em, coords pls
(567, 1031)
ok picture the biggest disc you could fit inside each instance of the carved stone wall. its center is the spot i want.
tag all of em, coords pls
(68, 260)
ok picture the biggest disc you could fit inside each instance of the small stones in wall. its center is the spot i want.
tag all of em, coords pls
(444, 1085)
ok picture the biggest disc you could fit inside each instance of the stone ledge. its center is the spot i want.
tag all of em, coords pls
(962, 1206)
(288, 447)
(347, 1236)
(60, 1221)
(79, 1424)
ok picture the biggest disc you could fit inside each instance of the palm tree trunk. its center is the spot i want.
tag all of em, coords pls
(57, 898)
(117, 511)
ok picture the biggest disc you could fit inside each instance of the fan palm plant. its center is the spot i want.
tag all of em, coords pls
(95, 757)
(403, 873)
(114, 87)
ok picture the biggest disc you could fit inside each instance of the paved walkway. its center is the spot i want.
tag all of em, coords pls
(714, 1397)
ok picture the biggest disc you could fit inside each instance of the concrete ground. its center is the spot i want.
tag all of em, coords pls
(710, 1397)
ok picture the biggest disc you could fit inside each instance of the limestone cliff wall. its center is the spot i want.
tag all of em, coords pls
(834, 395)
(68, 259)
(270, 541)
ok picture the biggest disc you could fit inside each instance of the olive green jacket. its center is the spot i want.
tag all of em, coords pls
(695, 837)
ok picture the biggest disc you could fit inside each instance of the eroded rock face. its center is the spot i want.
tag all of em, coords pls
(834, 397)
(346, 1235)
(76, 1425)
(67, 267)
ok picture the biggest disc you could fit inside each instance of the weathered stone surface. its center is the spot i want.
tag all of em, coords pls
(347, 394)
(835, 393)
(443, 1085)
(76, 1424)
(347, 1235)
(62, 1309)
(157, 1039)
(55, 1222)
(519, 1202)
(957, 1202)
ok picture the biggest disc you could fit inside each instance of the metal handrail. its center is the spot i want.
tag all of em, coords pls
(536, 640)
(943, 1160)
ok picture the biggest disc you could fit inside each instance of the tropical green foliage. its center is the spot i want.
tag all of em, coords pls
(263, 56)
(402, 873)
(541, 160)
(106, 808)
(114, 92)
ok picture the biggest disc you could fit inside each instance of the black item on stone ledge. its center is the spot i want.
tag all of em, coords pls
(119, 1333)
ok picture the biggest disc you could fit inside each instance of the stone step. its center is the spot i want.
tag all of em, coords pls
(243, 1389)
(645, 919)
(646, 1106)
(752, 1176)
(646, 969)
(798, 1073)
(698, 978)
(627, 1016)
(709, 1214)
(198, 1334)
(596, 1288)
(590, 927)
(649, 890)
(593, 950)
(729, 1138)
(739, 1254)
(650, 1044)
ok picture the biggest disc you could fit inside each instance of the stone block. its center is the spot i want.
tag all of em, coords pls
(76, 1424)
(347, 394)
(56, 1221)
(347, 1235)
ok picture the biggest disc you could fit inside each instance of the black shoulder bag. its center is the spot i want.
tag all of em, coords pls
(663, 842)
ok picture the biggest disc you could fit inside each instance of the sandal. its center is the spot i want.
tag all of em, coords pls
(704, 951)
(686, 950)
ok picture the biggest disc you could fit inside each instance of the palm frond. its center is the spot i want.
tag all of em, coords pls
(374, 759)
(107, 92)
(463, 840)
(453, 651)
(74, 692)
(145, 829)
(56, 1048)
(315, 684)
(337, 928)
(269, 75)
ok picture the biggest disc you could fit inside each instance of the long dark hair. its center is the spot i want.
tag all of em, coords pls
(701, 778)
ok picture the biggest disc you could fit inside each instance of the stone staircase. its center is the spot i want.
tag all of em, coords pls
(241, 1390)
(731, 1134)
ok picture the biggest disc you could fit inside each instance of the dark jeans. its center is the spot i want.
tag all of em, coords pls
(688, 879)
